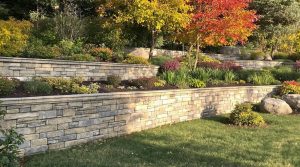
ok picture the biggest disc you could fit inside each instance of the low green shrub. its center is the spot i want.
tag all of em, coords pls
(285, 73)
(36, 49)
(104, 54)
(160, 83)
(206, 74)
(160, 60)
(7, 86)
(295, 56)
(83, 89)
(195, 83)
(69, 48)
(280, 55)
(114, 80)
(207, 59)
(9, 145)
(136, 60)
(257, 55)
(243, 115)
(229, 76)
(36, 87)
(262, 78)
(63, 85)
(178, 78)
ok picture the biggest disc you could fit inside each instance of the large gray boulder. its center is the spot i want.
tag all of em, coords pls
(293, 100)
(275, 106)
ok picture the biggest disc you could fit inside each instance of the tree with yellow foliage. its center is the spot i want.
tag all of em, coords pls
(158, 16)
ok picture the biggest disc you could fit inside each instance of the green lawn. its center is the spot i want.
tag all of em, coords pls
(206, 142)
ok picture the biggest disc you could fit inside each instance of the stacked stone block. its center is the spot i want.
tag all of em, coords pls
(57, 122)
(23, 68)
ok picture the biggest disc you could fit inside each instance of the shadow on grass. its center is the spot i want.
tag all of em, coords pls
(149, 150)
(220, 119)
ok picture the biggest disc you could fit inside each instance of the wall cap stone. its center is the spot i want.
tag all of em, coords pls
(116, 95)
(68, 62)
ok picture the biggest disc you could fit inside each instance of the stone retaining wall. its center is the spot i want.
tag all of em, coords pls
(57, 122)
(257, 65)
(24, 68)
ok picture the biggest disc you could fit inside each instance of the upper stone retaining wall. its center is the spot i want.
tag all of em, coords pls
(257, 65)
(24, 68)
(56, 122)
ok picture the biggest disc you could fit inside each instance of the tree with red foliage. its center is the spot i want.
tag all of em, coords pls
(218, 23)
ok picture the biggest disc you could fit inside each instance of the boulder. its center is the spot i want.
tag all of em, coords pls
(293, 100)
(275, 106)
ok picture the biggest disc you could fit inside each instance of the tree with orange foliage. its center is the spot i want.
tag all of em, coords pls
(218, 23)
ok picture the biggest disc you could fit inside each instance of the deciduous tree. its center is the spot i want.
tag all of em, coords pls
(277, 19)
(219, 22)
(158, 16)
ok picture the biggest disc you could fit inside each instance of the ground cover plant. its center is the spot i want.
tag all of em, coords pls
(205, 142)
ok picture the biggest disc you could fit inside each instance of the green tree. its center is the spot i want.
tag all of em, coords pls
(160, 17)
(277, 19)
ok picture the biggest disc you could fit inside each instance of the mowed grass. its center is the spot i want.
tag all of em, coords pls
(204, 142)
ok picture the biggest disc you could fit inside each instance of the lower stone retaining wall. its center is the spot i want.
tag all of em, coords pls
(24, 68)
(57, 122)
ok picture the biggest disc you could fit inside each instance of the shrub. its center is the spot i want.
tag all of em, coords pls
(36, 49)
(257, 55)
(103, 54)
(290, 87)
(285, 73)
(195, 83)
(13, 36)
(69, 48)
(38, 88)
(136, 60)
(118, 57)
(280, 55)
(7, 86)
(160, 60)
(295, 56)
(208, 74)
(229, 76)
(81, 57)
(63, 85)
(160, 83)
(9, 145)
(178, 78)
(171, 65)
(207, 59)
(114, 80)
(83, 89)
(262, 78)
(243, 115)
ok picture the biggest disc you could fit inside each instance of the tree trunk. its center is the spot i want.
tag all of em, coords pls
(190, 62)
(197, 53)
(153, 44)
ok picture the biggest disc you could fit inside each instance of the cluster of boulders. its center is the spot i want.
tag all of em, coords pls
(287, 105)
